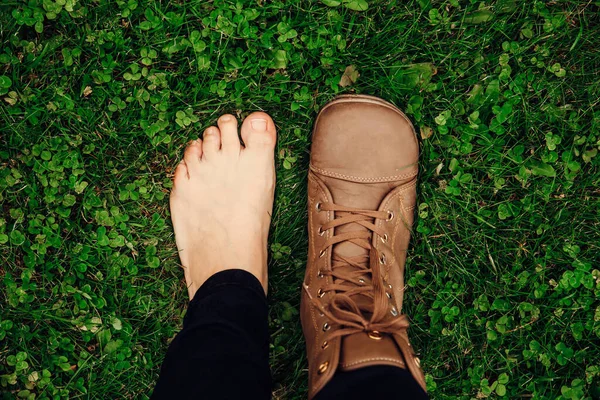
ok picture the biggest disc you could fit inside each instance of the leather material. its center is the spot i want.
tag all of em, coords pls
(364, 156)
(352, 355)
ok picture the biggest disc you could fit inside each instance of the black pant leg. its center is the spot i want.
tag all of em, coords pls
(377, 382)
(222, 352)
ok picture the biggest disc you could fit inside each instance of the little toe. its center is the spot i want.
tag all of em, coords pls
(211, 142)
(180, 175)
(258, 131)
(230, 141)
(192, 155)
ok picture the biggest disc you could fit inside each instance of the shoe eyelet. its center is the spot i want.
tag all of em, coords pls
(323, 367)
(390, 216)
(320, 231)
(361, 281)
(375, 335)
(325, 345)
(326, 327)
(394, 311)
(390, 286)
(388, 294)
(318, 206)
(322, 253)
(382, 259)
(384, 238)
(320, 293)
(319, 274)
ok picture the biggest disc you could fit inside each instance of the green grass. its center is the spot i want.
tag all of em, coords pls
(99, 98)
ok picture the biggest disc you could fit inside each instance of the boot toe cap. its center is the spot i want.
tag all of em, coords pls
(362, 139)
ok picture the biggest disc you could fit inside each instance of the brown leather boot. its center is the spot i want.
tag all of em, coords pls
(361, 197)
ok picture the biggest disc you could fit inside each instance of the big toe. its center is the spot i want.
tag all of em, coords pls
(258, 131)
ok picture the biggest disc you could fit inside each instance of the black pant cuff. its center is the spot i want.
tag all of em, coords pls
(222, 281)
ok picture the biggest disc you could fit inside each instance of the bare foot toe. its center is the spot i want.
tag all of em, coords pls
(230, 141)
(258, 130)
(211, 142)
(180, 175)
(191, 156)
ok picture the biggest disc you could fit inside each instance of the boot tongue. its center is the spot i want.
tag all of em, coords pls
(357, 195)
(359, 350)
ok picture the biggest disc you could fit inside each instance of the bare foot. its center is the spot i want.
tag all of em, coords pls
(222, 200)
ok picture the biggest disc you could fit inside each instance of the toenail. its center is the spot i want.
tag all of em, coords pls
(259, 124)
(225, 118)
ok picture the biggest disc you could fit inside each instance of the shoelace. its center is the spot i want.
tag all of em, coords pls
(343, 309)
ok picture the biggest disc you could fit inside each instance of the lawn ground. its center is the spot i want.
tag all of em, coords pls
(99, 97)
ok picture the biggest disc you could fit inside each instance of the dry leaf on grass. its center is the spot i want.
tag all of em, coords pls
(426, 132)
(87, 91)
(349, 76)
